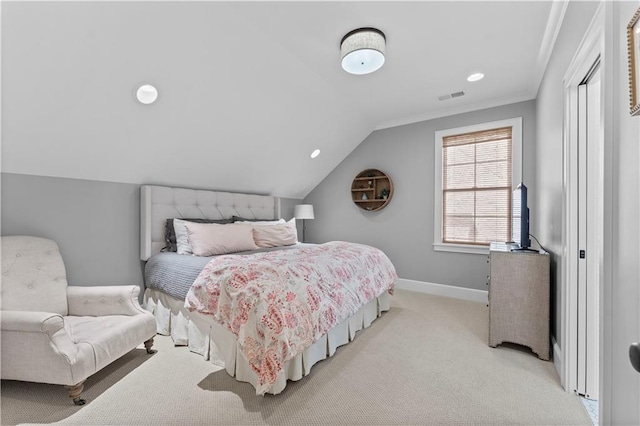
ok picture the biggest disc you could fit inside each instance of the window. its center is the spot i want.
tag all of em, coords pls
(476, 170)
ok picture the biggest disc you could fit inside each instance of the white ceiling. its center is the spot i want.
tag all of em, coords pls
(247, 89)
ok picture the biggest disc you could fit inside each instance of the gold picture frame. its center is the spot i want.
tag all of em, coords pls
(633, 48)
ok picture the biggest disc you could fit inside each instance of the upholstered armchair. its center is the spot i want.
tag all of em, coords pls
(58, 334)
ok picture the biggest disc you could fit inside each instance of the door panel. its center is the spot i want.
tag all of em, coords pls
(590, 219)
(595, 217)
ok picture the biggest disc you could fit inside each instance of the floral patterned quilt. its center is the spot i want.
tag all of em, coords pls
(278, 303)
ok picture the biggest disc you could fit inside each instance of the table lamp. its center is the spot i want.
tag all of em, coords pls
(303, 211)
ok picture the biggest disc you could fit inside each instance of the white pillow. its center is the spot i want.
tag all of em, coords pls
(262, 222)
(182, 239)
(210, 239)
(279, 235)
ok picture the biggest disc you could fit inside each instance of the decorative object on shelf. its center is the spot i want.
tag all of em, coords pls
(362, 51)
(303, 211)
(376, 195)
(633, 49)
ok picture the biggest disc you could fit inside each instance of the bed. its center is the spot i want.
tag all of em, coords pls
(180, 290)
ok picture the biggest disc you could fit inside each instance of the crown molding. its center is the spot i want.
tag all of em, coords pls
(476, 106)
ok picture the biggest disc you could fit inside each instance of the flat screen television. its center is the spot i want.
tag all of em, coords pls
(520, 218)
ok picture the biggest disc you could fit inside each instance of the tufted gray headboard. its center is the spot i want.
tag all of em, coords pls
(159, 203)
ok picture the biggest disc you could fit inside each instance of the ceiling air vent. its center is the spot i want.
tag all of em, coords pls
(450, 95)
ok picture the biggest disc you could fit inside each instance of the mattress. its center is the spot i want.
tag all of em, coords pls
(173, 274)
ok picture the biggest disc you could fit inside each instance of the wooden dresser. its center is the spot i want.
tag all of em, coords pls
(519, 298)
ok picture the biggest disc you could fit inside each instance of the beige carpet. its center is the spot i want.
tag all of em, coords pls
(424, 362)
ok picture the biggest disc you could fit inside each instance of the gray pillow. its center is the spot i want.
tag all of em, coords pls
(242, 219)
(170, 232)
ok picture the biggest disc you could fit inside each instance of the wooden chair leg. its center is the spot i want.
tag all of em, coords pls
(75, 391)
(147, 346)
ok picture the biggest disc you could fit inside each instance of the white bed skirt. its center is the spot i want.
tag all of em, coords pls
(217, 344)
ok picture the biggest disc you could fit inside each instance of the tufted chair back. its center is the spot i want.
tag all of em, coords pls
(33, 275)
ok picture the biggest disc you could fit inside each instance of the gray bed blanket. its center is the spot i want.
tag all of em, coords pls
(173, 273)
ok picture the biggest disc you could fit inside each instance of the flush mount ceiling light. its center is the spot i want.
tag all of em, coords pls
(315, 153)
(475, 77)
(147, 94)
(362, 50)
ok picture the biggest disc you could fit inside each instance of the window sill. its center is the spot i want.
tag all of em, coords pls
(461, 248)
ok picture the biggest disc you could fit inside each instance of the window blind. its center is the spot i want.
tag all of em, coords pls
(476, 187)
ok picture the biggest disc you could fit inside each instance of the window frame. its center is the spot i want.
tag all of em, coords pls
(516, 177)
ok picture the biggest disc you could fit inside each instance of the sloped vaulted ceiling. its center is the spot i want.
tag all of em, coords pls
(247, 89)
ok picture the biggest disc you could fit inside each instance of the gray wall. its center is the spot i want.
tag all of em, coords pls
(96, 224)
(621, 300)
(620, 295)
(550, 113)
(286, 210)
(404, 229)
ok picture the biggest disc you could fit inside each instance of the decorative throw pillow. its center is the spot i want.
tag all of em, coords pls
(210, 239)
(284, 234)
(171, 238)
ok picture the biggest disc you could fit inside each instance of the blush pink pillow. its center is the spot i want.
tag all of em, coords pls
(210, 239)
(276, 235)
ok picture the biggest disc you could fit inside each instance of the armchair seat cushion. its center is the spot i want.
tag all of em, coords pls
(110, 336)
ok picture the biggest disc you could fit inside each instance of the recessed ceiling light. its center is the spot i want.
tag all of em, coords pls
(475, 77)
(147, 94)
(315, 153)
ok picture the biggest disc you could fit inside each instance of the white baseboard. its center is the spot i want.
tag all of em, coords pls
(443, 290)
(558, 362)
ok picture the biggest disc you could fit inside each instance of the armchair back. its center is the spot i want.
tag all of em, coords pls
(33, 275)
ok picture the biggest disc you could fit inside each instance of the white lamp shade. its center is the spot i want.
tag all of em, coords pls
(303, 211)
(362, 51)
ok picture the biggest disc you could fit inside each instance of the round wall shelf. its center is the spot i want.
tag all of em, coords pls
(371, 190)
